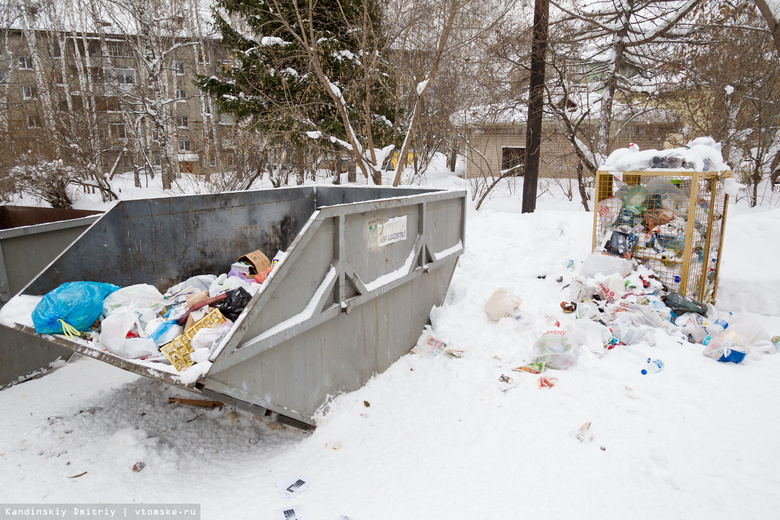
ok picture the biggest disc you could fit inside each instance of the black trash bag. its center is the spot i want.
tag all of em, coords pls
(232, 306)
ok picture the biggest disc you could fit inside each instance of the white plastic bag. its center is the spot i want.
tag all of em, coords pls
(606, 265)
(198, 283)
(113, 335)
(758, 339)
(728, 346)
(555, 349)
(210, 337)
(611, 288)
(140, 296)
(225, 283)
(630, 328)
(502, 304)
(590, 334)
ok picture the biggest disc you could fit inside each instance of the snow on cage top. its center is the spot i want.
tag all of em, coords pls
(702, 155)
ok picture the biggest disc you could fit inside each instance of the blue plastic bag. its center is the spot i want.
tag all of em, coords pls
(72, 305)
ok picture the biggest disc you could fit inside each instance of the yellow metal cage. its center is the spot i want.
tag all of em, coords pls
(669, 221)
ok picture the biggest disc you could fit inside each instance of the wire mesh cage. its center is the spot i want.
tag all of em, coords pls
(672, 222)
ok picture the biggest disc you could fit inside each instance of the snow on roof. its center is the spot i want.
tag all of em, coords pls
(504, 114)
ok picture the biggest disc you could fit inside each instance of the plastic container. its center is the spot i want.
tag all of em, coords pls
(345, 303)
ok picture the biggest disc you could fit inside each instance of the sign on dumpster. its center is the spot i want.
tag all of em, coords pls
(384, 232)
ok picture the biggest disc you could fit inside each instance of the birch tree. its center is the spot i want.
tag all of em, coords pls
(439, 31)
(620, 46)
(731, 91)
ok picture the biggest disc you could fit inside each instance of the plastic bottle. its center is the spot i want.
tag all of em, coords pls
(697, 327)
(551, 321)
(652, 366)
(723, 320)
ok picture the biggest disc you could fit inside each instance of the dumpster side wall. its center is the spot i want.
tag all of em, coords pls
(343, 306)
(25, 252)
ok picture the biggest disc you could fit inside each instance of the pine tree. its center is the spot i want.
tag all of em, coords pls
(308, 70)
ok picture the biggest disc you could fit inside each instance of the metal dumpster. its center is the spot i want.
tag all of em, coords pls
(30, 238)
(364, 267)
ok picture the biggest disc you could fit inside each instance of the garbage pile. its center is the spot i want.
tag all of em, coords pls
(180, 328)
(617, 303)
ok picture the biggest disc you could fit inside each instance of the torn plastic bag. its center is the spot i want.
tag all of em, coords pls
(77, 304)
(232, 306)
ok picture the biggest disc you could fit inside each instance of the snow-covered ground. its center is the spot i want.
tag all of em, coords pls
(437, 437)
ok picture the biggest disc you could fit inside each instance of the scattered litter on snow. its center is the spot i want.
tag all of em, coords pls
(443, 416)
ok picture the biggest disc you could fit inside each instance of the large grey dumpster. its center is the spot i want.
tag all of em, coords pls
(30, 238)
(364, 267)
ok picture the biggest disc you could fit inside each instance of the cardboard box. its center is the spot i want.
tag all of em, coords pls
(257, 260)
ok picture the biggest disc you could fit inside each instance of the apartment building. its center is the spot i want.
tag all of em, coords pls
(125, 102)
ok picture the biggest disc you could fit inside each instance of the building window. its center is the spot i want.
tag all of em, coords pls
(33, 122)
(2, 76)
(181, 94)
(207, 108)
(180, 68)
(96, 73)
(125, 76)
(182, 121)
(28, 92)
(112, 104)
(512, 157)
(184, 145)
(25, 63)
(118, 49)
(117, 130)
(157, 160)
(212, 160)
(230, 159)
(56, 50)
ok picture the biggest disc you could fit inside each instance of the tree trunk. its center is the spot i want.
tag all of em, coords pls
(536, 106)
